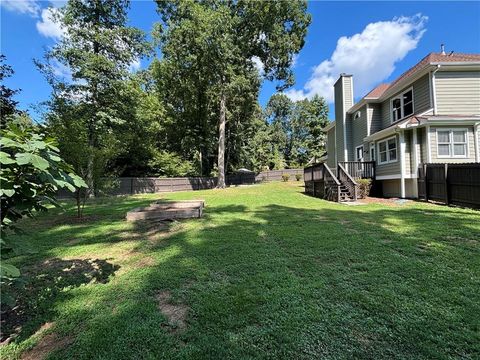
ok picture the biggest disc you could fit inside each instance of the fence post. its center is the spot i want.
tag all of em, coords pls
(131, 186)
(313, 184)
(425, 180)
(447, 192)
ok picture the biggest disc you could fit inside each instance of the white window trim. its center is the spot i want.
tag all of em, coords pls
(374, 157)
(388, 155)
(400, 96)
(356, 153)
(450, 142)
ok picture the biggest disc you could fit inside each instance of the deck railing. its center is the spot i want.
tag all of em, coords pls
(320, 181)
(359, 169)
(332, 185)
(347, 180)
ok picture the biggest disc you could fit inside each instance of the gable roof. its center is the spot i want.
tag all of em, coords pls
(433, 58)
(377, 92)
(430, 59)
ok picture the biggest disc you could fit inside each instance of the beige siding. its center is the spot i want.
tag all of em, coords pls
(434, 149)
(458, 92)
(422, 141)
(391, 168)
(408, 152)
(421, 100)
(348, 91)
(331, 147)
(360, 129)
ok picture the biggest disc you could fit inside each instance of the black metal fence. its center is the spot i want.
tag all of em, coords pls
(451, 184)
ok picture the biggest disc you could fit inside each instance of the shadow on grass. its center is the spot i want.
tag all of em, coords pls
(44, 285)
(283, 282)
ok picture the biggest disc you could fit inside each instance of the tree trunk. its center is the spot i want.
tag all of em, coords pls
(221, 144)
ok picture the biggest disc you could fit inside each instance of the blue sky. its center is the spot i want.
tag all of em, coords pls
(375, 41)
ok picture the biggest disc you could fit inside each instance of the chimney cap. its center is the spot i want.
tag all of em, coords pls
(442, 47)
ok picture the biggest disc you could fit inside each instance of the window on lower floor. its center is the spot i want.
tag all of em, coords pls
(387, 150)
(452, 143)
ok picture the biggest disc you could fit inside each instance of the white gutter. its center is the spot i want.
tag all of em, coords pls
(434, 91)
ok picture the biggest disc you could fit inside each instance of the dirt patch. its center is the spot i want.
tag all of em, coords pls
(47, 344)
(145, 261)
(176, 314)
(385, 201)
(71, 219)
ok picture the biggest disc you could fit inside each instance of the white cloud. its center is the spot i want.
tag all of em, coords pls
(258, 64)
(29, 7)
(295, 60)
(135, 65)
(370, 56)
(47, 25)
(61, 70)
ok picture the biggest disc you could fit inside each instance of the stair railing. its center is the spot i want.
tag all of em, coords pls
(347, 181)
(332, 185)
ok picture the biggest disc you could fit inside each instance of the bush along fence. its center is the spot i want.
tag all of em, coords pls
(145, 185)
(451, 184)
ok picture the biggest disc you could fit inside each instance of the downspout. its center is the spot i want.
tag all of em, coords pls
(476, 140)
(434, 92)
(401, 138)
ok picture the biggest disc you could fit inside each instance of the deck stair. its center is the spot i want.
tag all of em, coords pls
(338, 184)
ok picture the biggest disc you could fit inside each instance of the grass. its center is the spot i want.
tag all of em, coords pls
(267, 273)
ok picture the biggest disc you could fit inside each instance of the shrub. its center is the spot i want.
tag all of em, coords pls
(364, 187)
(285, 177)
(298, 177)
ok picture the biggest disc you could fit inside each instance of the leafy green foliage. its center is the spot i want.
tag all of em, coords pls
(8, 106)
(364, 187)
(86, 106)
(196, 37)
(170, 164)
(285, 177)
(31, 173)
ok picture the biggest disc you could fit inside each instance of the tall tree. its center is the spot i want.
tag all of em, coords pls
(219, 40)
(8, 106)
(308, 137)
(97, 49)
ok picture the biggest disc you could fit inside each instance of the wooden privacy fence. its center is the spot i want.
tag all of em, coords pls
(276, 175)
(144, 185)
(451, 184)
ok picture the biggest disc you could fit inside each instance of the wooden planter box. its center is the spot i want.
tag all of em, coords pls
(168, 210)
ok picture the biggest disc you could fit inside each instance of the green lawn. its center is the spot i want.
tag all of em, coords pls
(267, 273)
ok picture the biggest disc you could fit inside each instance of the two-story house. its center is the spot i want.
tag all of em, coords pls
(430, 114)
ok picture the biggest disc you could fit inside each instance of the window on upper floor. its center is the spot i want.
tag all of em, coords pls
(402, 105)
(357, 115)
(452, 143)
(387, 150)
